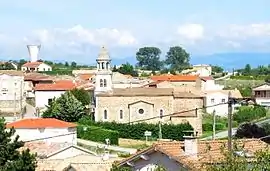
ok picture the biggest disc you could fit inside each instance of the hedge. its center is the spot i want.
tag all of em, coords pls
(136, 131)
(97, 134)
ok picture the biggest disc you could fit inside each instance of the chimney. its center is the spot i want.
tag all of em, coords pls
(191, 145)
(33, 51)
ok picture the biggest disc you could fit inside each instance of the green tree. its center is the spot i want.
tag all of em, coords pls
(114, 68)
(118, 168)
(7, 66)
(128, 69)
(217, 69)
(82, 95)
(10, 157)
(149, 58)
(20, 63)
(177, 58)
(73, 64)
(247, 70)
(66, 108)
(66, 64)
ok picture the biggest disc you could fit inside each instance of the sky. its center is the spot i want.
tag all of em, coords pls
(75, 30)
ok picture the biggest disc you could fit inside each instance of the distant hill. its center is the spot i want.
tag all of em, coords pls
(233, 60)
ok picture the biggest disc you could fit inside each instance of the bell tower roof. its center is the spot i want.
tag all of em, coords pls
(103, 54)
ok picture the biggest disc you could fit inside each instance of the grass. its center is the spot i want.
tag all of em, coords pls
(137, 144)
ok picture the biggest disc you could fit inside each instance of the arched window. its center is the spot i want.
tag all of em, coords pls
(107, 65)
(105, 115)
(102, 65)
(101, 82)
(121, 114)
(161, 113)
(105, 83)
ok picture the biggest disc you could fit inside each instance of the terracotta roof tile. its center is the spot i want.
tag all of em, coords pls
(208, 151)
(86, 76)
(175, 78)
(32, 64)
(37, 77)
(61, 85)
(40, 123)
(207, 78)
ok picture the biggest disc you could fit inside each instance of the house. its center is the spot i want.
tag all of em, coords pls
(208, 83)
(261, 94)
(190, 154)
(178, 80)
(214, 98)
(36, 66)
(49, 130)
(126, 105)
(30, 81)
(77, 163)
(12, 92)
(44, 93)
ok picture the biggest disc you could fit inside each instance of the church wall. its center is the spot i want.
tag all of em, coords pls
(114, 104)
(185, 104)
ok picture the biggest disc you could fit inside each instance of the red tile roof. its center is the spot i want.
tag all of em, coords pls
(207, 78)
(37, 77)
(32, 64)
(85, 76)
(174, 78)
(40, 123)
(61, 85)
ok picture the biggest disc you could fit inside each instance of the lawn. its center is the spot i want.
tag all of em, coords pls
(137, 144)
(232, 83)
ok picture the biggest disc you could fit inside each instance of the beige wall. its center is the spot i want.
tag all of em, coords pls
(151, 107)
(130, 107)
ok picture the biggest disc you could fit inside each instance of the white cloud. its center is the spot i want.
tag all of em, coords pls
(191, 31)
(79, 35)
(246, 31)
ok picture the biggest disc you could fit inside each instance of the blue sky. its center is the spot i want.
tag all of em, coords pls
(74, 30)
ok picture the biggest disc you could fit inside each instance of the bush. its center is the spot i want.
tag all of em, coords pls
(209, 126)
(249, 113)
(97, 134)
(136, 131)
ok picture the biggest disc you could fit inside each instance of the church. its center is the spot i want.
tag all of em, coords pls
(142, 104)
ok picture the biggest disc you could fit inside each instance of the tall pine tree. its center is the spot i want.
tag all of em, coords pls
(11, 159)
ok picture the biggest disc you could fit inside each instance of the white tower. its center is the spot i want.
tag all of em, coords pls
(33, 51)
(104, 73)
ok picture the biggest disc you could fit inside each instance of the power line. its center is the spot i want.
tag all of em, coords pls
(141, 120)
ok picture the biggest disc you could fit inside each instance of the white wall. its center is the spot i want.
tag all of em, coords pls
(31, 134)
(42, 97)
(11, 87)
(44, 67)
(211, 85)
(215, 98)
(263, 101)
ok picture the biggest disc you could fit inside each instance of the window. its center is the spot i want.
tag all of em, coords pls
(212, 100)
(105, 83)
(160, 113)
(44, 69)
(107, 65)
(105, 115)
(222, 100)
(141, 111)
(102, 65)
(121, 114)
(101, 82)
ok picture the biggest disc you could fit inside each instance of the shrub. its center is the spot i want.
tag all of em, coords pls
(97, 134)
(249, 113)
(136, 131)
(209, 126)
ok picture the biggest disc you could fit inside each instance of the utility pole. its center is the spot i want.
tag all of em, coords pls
(160, 127)
(214, 125)
(230, 102)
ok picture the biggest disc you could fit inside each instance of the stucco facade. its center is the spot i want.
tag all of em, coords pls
(42, 97)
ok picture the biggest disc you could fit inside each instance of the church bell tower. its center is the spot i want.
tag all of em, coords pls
(103, 79)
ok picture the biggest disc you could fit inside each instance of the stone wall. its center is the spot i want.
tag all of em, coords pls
(11, 106)
(151, 106)
(131, 106)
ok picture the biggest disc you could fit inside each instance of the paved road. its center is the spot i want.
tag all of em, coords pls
(224, 134)
(111, 147)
